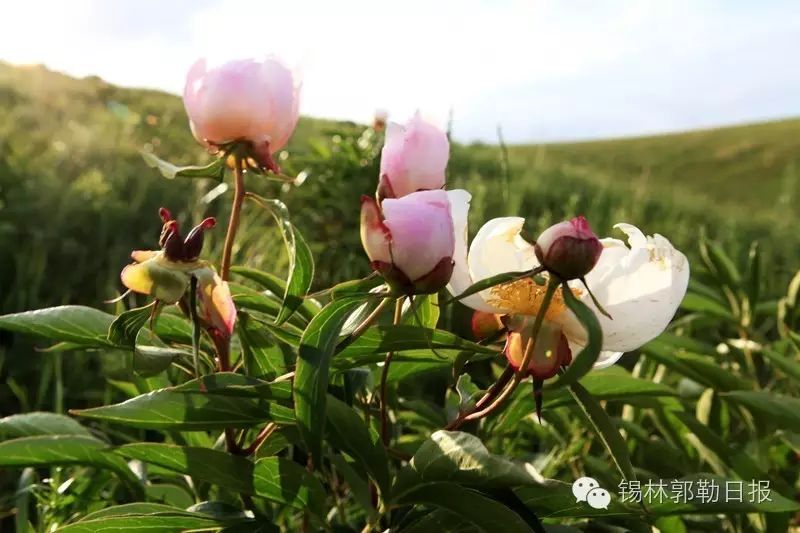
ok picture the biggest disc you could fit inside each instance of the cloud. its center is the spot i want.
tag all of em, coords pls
(544, 69)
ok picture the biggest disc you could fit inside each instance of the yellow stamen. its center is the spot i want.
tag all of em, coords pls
(524, 297)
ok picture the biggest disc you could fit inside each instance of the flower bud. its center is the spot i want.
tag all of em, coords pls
(550, 350)
(217, 309)
(568, 249)
(243, 100)
(414, 158)
(410, 241)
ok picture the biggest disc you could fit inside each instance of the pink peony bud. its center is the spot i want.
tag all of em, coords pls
(569, 249)
(414, 158)
(242, 100)
(411, 241)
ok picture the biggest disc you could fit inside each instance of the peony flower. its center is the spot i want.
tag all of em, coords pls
(414, 158)
(569, 249)
(640, 286)
(410, 240)
(166, 274)
(243, 100)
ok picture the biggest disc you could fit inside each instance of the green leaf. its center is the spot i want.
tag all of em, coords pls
(214, 170)
(784, 411)
(182, 408)
(68, 323)
(40, 423)
(483, 512)
(605, 430)
(145, 523)
(409, 343)
(609, 384)
(462, 458)
(424, 311)
(699, 303)
(348, 432)
(47, 450)
(719, 262)
(273, 478)
(301, 274)
(703, 369)
(283, 481)
(152, 356)
(356, 287)
(311, 374)
(585, 360)
(233, 384)
(301, 262)
(489, 282)
(262, 356)
(308, 309)
(126, 326)
(789, 366)
(137, 508)
(216, 467)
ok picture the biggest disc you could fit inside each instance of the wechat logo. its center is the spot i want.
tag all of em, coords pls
(588, 490)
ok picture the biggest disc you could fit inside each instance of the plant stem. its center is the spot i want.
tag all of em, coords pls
(490, 395)
(522, 371)
(263, 435)
(398, 312)
(359, 330)
(223, 345)
(195, 326)
(233, 221)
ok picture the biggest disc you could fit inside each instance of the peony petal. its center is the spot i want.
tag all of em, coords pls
(461, 279)
(140, 256)
(374, 233)
(498, 248)
(156, 278)
(604, 360)
(641, 291)
(216, 304)
(192, 97)
(422, 232)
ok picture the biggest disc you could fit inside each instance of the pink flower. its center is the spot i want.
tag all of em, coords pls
(242, 100)
(569, 249)
(414, 158)
(410, 240)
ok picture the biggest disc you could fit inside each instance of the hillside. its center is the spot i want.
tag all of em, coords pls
(749, 168)
(75, 196)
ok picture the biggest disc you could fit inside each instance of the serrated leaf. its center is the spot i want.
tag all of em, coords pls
(214, 170)
(311, 374)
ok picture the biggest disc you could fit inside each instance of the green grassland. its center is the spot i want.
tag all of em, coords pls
(75, 196)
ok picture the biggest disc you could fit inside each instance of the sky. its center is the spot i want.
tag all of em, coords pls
(543, 70)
